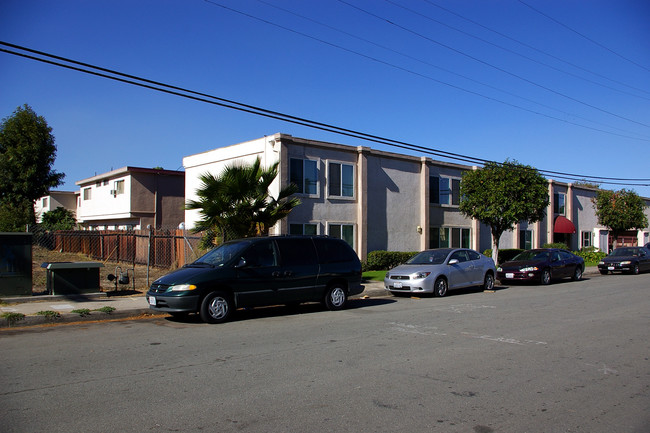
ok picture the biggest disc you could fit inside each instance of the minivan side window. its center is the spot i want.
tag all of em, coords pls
(334, 251)
(261, 254)
(297, 252)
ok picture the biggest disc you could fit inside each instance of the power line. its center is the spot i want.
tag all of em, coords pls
(226, 103)
(584, 36)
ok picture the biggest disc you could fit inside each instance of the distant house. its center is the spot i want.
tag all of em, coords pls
(55, 199)
(377, 200)
(132, 198)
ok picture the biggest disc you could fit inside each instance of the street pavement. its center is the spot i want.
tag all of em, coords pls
(55, 309)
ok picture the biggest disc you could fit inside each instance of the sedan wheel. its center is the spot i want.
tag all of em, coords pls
(577, 274)
(546, 277)
(216, 307)
(635, 269)
(440, 288)
(488, 283)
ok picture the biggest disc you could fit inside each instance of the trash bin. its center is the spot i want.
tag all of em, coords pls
(71, 278)
(15, 264)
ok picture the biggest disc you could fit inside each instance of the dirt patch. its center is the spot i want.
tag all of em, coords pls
(43, 255)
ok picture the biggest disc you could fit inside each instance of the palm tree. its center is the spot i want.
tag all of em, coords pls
(237, 203)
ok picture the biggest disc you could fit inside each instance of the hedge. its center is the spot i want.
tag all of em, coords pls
(384, 260)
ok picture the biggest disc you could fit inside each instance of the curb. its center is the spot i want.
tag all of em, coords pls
(97, 316)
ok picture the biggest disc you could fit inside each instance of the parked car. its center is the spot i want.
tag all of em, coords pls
(626, 259)
(257, 272)
(439, 270)
(542, 265)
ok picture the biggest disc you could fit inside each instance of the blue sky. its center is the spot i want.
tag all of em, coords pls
(560, 85)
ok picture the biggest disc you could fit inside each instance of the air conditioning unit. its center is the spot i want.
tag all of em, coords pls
(113, 192)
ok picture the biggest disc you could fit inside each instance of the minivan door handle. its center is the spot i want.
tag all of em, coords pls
(275, 274)
(288, 273)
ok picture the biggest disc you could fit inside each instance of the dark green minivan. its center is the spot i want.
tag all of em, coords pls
(256, 272)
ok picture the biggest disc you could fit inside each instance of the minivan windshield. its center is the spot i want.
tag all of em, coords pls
(429, 257)
(222, 254)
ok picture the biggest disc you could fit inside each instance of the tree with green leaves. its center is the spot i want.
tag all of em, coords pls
(237, 203)
(620, 211)
(27, 153)
(501, 195)
(58, 219)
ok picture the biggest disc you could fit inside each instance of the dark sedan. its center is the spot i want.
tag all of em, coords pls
(542, 265)
(626, 259)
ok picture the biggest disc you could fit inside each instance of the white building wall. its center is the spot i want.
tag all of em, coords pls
(104, 203)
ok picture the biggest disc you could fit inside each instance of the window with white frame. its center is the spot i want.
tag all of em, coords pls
(444, 190)
(304, 174)
(118, 186)
(525, 239)
(342, 231)
(559, 205)
(44, 202)
(303, 229)
(87, 193)
(587, 239)
(340, 179)
(449, 237)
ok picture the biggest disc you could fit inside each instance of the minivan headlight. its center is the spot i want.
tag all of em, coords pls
(182, 287)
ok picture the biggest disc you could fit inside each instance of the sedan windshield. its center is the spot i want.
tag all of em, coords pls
(222, 254)
(430, 257)
(533, 255)
(625, 252)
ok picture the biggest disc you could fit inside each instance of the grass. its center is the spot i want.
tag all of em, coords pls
(374, 275)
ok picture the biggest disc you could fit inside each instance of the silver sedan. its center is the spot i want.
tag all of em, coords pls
(439, 270)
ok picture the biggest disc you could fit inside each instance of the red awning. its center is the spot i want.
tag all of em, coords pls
(563, 225)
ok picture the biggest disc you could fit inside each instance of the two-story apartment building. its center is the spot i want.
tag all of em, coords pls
(132, 198)
(55, 199)
(379, 200)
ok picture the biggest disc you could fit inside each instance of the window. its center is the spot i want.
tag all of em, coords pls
(87, 194)
(304, 174)
(303, 229)
(343, 231)
(444, 190)
(446, 237)
(297, 252)
(44, 202)
(118, 186)
(261, 254)
(587, 239)
(340, 180)
(525, 239)
(559, 203)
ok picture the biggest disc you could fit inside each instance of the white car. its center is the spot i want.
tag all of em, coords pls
(439, 270)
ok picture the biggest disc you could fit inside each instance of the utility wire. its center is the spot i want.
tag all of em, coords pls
(408, 56)
(536, 49)
(203, 97)
(462, 89)
(476, 59)
(585, 36)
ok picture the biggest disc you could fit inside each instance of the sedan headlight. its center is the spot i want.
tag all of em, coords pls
(499, 269)
(182, 287)
(601, 262)
(421, 275)
(626, 262)
(529, 269)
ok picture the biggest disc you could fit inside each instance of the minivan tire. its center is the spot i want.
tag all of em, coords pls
(216, 307)
(335, 297)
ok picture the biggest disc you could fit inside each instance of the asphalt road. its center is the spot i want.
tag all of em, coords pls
(570, 357)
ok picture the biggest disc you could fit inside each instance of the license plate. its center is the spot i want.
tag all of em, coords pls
(510, 275)
(152, 300)
(397, 285)
(610, 268)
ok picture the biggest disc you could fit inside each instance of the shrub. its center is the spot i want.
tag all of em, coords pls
(559, 245)
(384, 260)
(591, 255)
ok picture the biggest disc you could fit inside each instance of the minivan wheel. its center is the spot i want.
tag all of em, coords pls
(336, 297)
(216, 307)
(440, 288)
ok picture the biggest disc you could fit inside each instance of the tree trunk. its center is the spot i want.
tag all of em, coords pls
(495, 246)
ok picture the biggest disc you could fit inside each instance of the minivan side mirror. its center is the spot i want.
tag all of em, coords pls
(241, 263)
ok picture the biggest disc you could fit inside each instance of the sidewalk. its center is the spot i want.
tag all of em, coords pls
(59, 308)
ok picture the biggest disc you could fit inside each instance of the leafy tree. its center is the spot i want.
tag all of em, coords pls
(620, 211)
(501, 195)
(27, 153)
(58, 219)
(237, 203)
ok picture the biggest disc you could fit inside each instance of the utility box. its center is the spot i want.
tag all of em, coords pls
(72, 278)
(15, 264)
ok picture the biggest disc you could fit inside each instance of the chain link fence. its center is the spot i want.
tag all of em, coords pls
(144, 254)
